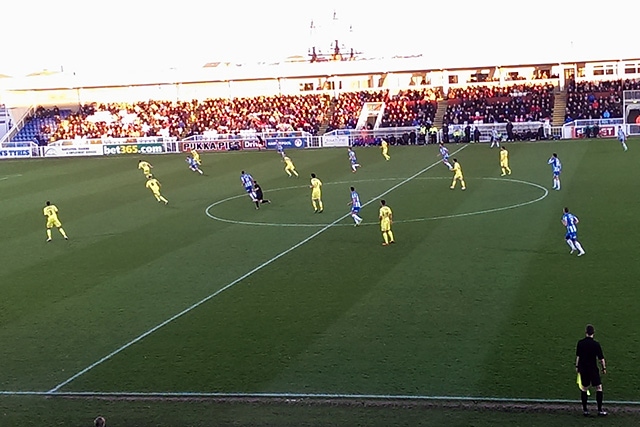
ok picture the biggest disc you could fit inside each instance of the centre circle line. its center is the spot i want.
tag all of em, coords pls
(433, 218)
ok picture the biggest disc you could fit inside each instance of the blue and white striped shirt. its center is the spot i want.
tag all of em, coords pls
(355, 200)
(192, 163)
(247, 180)
(444, 152)
(571, 222)
(621, 135)
(556, 166)
(352, 156)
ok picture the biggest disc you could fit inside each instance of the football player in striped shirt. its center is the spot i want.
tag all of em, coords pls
(247, 182)
(444, 153)
(355, 206)
(354, 162)
(556, 167)
(622, 137)
(193, 164)
(570, 221)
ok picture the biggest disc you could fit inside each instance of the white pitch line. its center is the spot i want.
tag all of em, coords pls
(433, 218)
(293, 396)
(236, 281)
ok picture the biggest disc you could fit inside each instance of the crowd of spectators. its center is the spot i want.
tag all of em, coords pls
(185, 118)
(522, 102)
(597, 99)
(415, 107)
(348, 105)
(491, 104)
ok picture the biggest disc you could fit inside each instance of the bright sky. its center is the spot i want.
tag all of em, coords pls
(76, 34)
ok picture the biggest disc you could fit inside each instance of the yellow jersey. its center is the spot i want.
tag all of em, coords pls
(153, 185)
(289, 163)
(384, 145)
(385, 213)
(51, 212)
(144, 165)
(316, 184)
(504, 155)
(195, 155)
(457, 169)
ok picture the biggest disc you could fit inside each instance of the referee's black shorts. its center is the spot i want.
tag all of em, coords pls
(590, 378)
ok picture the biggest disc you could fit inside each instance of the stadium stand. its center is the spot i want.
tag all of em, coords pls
(596, 99)
(348, 106)
(415, 107)
(521, 102)
(40, 127)
(182, 119)
(491, 104)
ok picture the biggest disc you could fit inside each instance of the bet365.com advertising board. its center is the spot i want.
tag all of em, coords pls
(139, 148)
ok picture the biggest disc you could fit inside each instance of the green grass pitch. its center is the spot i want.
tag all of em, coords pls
(478, 298)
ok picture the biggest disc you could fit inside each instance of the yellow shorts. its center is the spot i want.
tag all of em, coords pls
(53, 223)
(504, 164)
(458, 176)
(385, 225)
(316, 195)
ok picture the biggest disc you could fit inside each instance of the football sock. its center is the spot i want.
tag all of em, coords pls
(578, 246)
(463, 184)
(288, 173)
(599, 397)
(504, 172)
(453, 184)
(583, 398)
(315, 207)
(61, 230)
(571, 245)
(321, 205)
(390, 234)
(624, 146)
(356, 218)
(385, 237)
(295, 173)
(48, 233)
(163, 199)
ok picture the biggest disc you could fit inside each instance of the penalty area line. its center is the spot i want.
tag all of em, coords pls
(233, 283)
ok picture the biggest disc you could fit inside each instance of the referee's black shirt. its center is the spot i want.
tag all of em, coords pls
(588, 352)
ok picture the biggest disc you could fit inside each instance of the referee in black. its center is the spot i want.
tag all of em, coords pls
(588, 353)
(258, 197)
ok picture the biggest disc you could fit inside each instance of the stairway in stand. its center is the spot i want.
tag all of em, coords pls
(327, 118)
(559, 106)
(438, 120)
